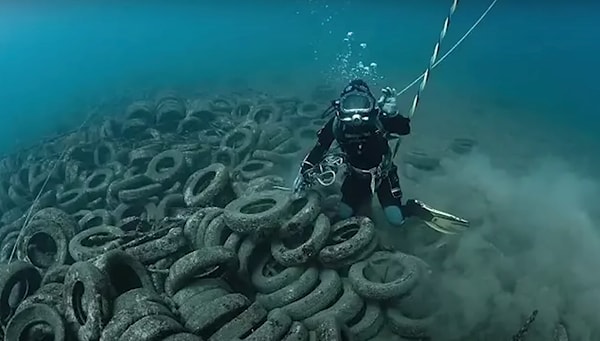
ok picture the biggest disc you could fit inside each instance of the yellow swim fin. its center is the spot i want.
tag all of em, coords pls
(438, 220)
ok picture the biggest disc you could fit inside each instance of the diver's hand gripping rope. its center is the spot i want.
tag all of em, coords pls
(433, 63)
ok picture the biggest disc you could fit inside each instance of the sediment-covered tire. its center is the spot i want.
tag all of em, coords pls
(261, 184)
(241, 140)
(406, 326)
(268, 275)
(20, 276)
(129, 308)
(56, 275)
(170, 205)
(321, 297)
(72, 200)
(152, 327)
(276, 326)
(189, 124)
(265, 114)
(210, 262)
(369, 322)
(345, 309)
(329, 329)
(403, 271)
(97, 217)
(167, 167)
(257, 213)
(146, 212)
(226, 156)
(297, 332)
(97, 183)
(272, 136)
(88, 297)
(217, 232)
(241, 110)
(140, 157)
(350, 241)
(123, 271)
(210, 186)
(252, 169)
(300, 251)
(206, 318)
(462, 145)
(141, 110)
(159, 247)
(94, 241)
(421, 160)
(196, 225)
(169, 111)
(50, 294)
(104, 153)
(40, 320)
(44, 245)
(291, 292)
(303, 212)
(242, 324)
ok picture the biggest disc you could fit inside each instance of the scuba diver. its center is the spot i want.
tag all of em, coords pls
(361, 127)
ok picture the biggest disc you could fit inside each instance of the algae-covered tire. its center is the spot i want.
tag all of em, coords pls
(297, 332)
(370, 323)
(269, 276)
(197, 224)
(291, 292)
(303, 212)
(226, 156)
(169, 206)
(272, 136)
(348, 239)
(321, 297)
(252, 169)
(20, 276)
(301, 252)
(208, 186)
(208, 262)
(104, 153)
(345, 309)
(94, 241)
(152, 327)
(55, 275)
(72, 200)
(95, 218)
(182, 337)
(44, 245)
(50, 294)
(97, 183)
(405, 272)
(124, 271)
(87, 298)
(217, 232)
(197, 286)
(206, 318)
(242, 324)
(330, 329)
(240, 139)
(405, 326)
(167, 167)
(278, 323)
(30, 321)
(257, 213)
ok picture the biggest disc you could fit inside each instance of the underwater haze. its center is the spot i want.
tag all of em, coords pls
(523, 84)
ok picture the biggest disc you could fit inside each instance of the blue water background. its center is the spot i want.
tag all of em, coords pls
(536, 61)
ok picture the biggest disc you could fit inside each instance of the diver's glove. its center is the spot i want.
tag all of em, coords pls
(387, 101)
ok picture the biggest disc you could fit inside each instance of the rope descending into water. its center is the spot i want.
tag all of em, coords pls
(433, 63)
(432, 60)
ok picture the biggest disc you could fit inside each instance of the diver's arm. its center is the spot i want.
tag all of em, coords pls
(397, 124)
(325, 138)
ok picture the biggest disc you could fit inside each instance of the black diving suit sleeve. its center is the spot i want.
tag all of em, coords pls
(325, 138)
(397, 124)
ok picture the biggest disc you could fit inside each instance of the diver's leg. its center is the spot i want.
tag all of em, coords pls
(390, 198)
(355, 191)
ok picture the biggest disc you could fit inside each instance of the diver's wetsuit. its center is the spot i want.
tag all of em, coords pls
(366, 148)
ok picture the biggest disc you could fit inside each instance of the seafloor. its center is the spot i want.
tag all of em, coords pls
(166, 218)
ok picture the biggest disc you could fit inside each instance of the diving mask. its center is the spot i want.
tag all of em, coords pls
(356, 103)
